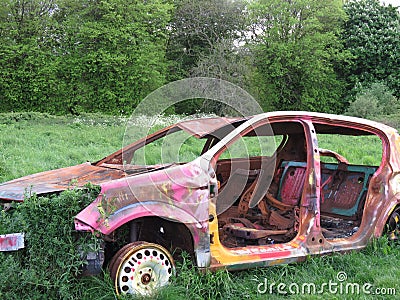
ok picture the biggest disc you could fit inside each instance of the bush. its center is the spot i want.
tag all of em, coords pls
(14, 117)
(48, 266)
(391, 120)
(373, 101)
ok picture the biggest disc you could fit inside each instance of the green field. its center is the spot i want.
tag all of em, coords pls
(32, 143)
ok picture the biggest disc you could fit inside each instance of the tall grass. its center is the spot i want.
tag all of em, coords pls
(43, 143)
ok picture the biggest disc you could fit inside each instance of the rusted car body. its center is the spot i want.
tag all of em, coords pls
(262, 191)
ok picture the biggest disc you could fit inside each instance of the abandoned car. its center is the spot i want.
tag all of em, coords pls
(254, 191)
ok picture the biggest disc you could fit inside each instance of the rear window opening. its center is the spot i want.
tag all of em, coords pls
(345, 185)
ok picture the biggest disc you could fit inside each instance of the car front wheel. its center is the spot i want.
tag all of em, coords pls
(141, 268)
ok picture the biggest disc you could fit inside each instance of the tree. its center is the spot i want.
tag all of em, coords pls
(112, 53)
(64, 56)
(372, 101)
(227, 61)
(197, 27)
(371, 33)
(297, 49)
(26, 76)
(198, 30)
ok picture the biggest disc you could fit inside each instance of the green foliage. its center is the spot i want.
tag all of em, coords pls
(365, 150)
(27, 65)
(227, 62)
(116, 49)
(373, 101)
(70, 56)
(74, 56)
(371, 33)
(48, 267)
(200, 31)
(197, 27)
(10, 118)
(391, 120)
(297, 50)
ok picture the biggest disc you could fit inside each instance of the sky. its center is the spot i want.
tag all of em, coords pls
(393, 2)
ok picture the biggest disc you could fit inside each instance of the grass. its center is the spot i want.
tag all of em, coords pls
(30, 146)
(32, 143)
(359, 150)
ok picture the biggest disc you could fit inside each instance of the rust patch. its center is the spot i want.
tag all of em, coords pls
(57, 181)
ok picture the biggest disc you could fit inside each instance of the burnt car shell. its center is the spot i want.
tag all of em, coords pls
(311, 206)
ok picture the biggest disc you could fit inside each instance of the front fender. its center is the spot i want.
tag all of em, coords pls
(148, 209)
(107, 224)
(198, 229)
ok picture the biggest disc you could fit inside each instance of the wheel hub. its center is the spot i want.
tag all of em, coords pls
(146, 278)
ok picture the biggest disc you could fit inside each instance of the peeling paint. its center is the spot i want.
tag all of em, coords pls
(308, 208)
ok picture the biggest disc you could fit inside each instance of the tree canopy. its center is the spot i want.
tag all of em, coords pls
(73, 56)
(296, 48)
(371, 33)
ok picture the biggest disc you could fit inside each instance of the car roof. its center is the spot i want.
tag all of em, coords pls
(324, 123)
(204, 126)
(331, 123)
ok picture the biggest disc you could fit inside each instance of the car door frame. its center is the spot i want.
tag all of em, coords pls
(309, 237)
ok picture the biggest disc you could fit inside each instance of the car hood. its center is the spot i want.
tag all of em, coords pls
(57, 180)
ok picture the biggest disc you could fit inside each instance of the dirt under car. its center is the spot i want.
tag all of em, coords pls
(262, 190)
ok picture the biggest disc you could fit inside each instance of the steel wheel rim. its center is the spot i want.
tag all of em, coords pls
(144, 269)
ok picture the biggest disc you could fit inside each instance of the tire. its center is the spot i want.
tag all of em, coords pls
(393, 226)
(141, 268)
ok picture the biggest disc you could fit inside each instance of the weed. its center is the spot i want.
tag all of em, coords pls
(50, 263)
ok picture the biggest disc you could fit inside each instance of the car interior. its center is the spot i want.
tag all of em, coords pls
(260, 194)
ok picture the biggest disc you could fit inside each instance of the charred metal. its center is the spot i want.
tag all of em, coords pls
(285, 198)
